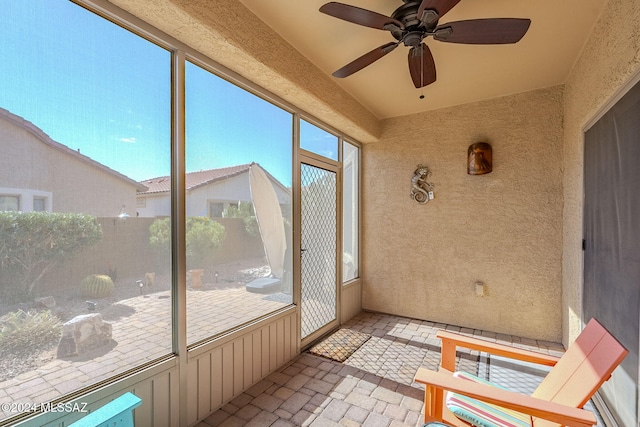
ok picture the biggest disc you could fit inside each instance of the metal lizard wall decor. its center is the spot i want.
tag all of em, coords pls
(421, 190)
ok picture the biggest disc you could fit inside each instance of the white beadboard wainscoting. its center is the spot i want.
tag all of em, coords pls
(220, 372)
(351, 300)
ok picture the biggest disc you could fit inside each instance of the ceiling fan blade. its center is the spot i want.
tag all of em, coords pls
(366, 59)
(360, 16)
(440, 6)
(483, 31)
(422, 66)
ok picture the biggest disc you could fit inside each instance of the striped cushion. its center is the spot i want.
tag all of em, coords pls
(482, 414)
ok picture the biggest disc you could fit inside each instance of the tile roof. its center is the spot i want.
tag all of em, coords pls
(194, 179)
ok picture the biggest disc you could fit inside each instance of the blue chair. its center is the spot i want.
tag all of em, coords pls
(118, 412)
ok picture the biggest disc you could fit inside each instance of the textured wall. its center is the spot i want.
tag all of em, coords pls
(503, 228)
(610, 58)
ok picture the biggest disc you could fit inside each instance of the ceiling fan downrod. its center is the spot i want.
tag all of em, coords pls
(421, 74)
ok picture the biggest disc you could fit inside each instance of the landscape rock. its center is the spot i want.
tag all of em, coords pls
(82, 334)
(45, 302)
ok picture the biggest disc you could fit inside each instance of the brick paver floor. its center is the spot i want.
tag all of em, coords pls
(373, 387)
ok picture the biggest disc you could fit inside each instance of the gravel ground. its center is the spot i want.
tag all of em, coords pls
(12, 365)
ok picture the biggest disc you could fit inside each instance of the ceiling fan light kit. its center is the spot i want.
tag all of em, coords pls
(416, 20)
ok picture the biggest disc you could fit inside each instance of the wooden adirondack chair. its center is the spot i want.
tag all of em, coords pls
(557, 401)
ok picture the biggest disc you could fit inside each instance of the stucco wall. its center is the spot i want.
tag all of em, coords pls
(610, 59)
(504, 228)
(76, 185)
(153, 205)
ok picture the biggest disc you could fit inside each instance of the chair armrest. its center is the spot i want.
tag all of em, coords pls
(117, 412)
(450, 338)
(555, 412)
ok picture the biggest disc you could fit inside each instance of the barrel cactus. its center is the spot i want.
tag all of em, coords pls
(96, 286)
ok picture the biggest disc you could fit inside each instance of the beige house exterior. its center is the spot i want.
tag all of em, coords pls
(209, 192)
(38, 173)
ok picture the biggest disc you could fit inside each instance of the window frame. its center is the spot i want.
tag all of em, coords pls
(217, 204)
(358, 203)
(39, 199)
(26, 197)
(180, 54)
(10, 196)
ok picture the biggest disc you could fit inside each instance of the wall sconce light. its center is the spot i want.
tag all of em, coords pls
(479, 159)
(123, 214)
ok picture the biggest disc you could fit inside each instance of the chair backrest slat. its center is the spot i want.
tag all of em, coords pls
(582, 369)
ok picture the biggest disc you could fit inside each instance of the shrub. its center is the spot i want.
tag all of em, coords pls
(96, 286)
(245, 211)
(32, 243)
(203, 236)
(28, 332)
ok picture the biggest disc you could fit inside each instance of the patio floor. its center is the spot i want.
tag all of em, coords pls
(374, 387)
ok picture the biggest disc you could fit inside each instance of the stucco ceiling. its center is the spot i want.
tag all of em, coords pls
(465, 73)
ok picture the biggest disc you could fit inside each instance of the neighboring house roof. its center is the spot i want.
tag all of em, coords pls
(46, 139)
(194, 179)
(162, 184)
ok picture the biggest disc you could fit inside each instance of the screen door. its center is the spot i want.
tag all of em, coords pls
(612, 243)
(318, 244)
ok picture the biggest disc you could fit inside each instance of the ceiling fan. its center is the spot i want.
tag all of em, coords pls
(415, 20)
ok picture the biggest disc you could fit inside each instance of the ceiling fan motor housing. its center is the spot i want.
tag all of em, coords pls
(416, 28)
(413, 39)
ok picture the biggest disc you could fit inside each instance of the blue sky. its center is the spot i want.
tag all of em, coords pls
(96, 87)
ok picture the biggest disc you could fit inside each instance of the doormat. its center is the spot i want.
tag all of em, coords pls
(340, 345)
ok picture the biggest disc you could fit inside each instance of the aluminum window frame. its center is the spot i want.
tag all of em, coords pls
(180, 54)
